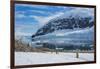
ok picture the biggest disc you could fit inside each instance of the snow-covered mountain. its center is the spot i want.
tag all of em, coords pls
(76, 28)
(69, 20)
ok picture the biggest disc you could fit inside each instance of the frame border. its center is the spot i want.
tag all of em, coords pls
(12, 34)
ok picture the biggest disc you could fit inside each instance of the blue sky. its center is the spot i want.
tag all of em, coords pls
(29, 18)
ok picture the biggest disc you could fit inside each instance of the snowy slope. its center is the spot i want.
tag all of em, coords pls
(28, 58)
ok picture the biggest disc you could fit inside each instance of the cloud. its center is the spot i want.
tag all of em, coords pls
(86, 10)
(25, 29)
(27, 5)
(20, 14)
(41, 12)
(48, 8)
(34, 6)
(43, 20)
(22, 34)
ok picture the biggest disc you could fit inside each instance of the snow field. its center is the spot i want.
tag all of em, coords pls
(28, 58)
